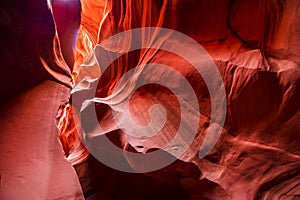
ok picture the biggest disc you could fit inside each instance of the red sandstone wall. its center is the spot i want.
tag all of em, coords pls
(254, 44)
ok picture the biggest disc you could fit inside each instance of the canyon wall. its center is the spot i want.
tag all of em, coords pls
(254, 45)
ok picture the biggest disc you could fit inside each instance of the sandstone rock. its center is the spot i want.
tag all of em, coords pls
(255, 47)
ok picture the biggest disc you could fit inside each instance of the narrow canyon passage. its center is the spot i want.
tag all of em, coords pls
(150, 99)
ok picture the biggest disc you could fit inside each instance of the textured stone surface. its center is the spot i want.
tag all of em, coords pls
(35, 80)
(255, 45)
(32, 163)
(257, 155)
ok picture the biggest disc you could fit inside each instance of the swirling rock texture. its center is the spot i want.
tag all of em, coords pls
(255, 46)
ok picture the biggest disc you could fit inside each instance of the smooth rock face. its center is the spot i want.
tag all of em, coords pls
(255, 46)
(32, 163)
(35, 81)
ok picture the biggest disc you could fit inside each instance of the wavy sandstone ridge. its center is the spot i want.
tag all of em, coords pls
(253, 44)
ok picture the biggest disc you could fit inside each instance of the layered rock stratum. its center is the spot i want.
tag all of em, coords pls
(253, 44)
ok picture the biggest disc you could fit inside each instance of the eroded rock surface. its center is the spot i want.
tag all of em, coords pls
(257, 155)
(254, 45)
(35, 80)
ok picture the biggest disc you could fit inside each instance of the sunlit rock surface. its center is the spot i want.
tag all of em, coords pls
(255, 46)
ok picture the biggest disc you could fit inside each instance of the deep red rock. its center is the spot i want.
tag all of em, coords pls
(255, 46)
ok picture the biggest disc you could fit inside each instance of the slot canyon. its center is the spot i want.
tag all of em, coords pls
(150, 99)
